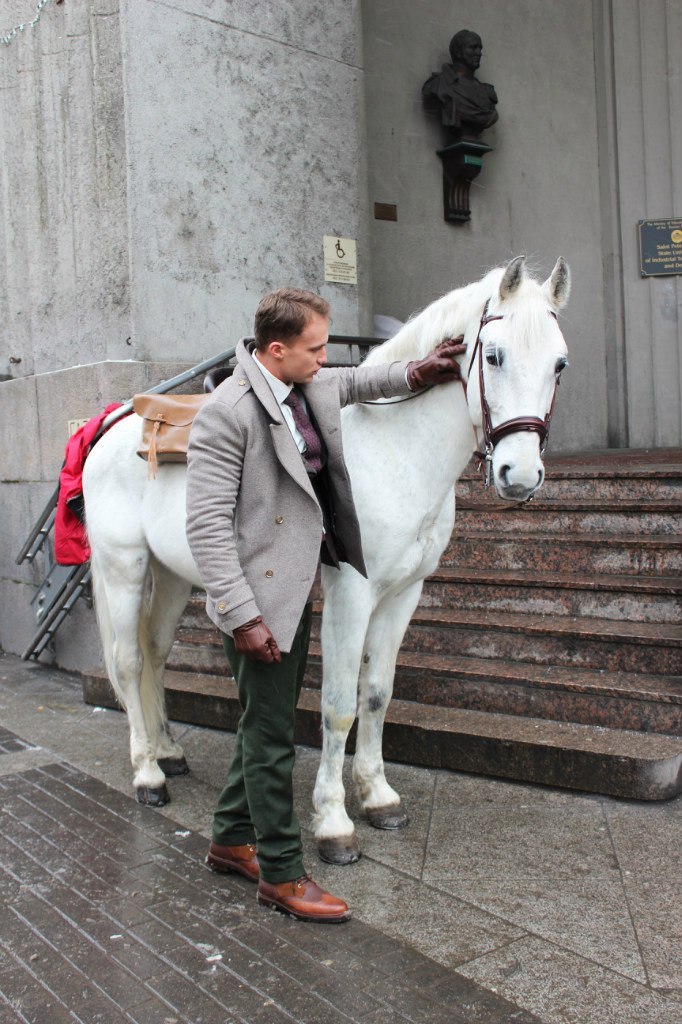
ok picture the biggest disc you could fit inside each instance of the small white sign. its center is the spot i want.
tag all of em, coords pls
(74, 425)
(340, 259)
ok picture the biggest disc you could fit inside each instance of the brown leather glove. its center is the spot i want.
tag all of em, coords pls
(438, 367)
(255, 641)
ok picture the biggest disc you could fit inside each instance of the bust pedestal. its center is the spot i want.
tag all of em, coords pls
(462, 162)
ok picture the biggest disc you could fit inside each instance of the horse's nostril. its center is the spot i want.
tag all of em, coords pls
(504, 470)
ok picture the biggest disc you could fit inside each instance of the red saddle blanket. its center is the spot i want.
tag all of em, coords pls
(70, 538)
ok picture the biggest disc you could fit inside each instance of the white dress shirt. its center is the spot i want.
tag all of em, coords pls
(281, 391)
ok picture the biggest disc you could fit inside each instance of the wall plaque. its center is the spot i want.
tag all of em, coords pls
(660, 247)
(340, 259)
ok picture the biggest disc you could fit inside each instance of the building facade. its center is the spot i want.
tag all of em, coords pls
(165, 164)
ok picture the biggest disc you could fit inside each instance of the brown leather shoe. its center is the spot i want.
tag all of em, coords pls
(304, 900)
(241, 859)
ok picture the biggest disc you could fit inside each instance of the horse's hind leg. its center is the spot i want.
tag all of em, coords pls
(119, 585)
(387, 626)
(168, 599)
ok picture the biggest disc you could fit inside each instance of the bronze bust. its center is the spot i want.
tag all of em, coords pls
(467, 105)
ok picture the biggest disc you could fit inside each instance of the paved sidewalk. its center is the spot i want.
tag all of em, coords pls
(500, 902)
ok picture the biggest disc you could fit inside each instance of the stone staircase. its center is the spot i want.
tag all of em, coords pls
(546, 648)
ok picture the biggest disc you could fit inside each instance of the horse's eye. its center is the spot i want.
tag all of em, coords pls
(494, 358)
(561, 364)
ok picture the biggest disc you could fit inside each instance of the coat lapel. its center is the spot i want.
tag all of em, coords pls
(282, 440)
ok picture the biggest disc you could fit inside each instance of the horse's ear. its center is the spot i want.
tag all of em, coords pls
(557, 287)
(512, 277)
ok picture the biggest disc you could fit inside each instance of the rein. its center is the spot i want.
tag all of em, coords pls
(491, 434)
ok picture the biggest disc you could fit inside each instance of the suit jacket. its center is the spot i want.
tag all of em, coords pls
(254, 524)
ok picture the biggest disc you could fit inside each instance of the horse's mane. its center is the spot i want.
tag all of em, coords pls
(450, 315)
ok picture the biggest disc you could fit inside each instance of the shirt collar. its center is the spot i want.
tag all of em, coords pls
(280, 390)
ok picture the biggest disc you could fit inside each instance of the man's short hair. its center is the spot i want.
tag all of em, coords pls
(283, 314)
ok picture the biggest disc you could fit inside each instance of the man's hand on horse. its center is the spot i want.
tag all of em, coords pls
(439, 366)
(255, 641)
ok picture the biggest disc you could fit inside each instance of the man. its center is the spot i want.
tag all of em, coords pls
(267, 492)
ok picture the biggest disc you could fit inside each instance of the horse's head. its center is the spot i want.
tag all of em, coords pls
(515, 355)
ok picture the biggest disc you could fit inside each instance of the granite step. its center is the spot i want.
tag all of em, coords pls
(534, 592)
(619, 700)
(629, 700)
(648, 518)
(664, 483)
(551, 552)
(613, 474)
(548, 640)
(620, 763)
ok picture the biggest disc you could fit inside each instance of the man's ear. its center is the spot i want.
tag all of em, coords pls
(276, 349)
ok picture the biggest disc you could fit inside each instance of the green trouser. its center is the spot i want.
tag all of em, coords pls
(257, 802)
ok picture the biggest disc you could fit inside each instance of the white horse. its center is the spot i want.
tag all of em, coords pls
(404, 459)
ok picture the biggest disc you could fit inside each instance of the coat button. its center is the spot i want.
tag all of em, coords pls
(242, 383)
(269, 573)
(221, 606)
(279, 520)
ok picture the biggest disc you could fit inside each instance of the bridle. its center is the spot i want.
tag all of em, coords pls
(491, 434)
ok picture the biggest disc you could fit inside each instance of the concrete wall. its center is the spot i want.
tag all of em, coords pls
(640, 101)
(245, 146)
(64, 292)
(538, 192)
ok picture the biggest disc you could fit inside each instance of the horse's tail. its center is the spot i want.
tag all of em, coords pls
(151, 695)
(106, 627)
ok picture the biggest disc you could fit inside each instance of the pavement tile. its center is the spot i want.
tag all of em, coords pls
(157, 937)
(154, 1011)
(588, 916)
(183, 996)
(656, 908)
(135, 957)
(21, 991)
(84, 954)
(535, 839)
(56, 972)
(91, 822)
(564, 988)
(449, 930)
(661, 855)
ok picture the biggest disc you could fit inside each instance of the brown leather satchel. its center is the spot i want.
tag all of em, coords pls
(166, 422)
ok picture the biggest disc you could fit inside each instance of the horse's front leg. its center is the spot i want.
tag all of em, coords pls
(169, 597)
(379, 800)
(347, 609)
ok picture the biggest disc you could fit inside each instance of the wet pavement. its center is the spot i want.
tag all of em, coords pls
(500, 902)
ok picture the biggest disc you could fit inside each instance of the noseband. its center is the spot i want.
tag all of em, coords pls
(491, 434)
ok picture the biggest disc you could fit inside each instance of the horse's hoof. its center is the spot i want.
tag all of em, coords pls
(387, 817)
(339, 850)
(155, 796)
(171, 766)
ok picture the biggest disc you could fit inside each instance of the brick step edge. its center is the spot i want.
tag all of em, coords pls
(631, 765)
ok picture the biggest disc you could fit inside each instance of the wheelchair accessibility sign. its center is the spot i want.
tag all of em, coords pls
(340, 255)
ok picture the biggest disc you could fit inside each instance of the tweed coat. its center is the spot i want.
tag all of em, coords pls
(254, 524)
